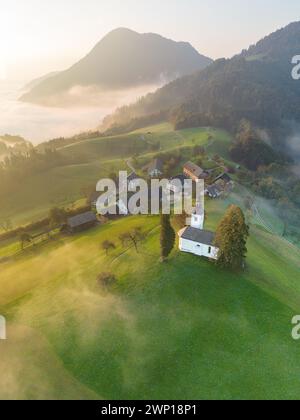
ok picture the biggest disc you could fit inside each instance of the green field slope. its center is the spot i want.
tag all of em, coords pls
(97, 158)
(164, 331)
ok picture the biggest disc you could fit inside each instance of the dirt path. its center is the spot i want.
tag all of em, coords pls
(130, 166)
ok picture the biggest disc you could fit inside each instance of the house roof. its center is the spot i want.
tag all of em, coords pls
(180, 177)
(198, 210)
(214, 190)
(155, 165)
(82, 219)
(224, 177)
(193, 168)
(132, 177)
(200, 236)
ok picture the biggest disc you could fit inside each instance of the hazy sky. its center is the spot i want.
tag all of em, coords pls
(39, 36)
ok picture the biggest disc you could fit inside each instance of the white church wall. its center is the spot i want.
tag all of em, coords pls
(195, 248)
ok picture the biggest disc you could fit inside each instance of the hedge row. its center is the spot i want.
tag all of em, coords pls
(40, 224)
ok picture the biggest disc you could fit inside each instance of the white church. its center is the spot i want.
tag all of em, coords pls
(195, 240)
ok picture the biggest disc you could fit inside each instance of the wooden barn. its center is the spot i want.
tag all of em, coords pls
(81, 222)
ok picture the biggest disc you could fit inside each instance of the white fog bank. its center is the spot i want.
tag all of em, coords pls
(37, 123)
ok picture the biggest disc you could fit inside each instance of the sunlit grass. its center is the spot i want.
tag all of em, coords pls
(171, 330)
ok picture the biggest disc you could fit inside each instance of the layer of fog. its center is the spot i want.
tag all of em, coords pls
(31, 370)
(293, 146)
(73, 312)
(40, 123)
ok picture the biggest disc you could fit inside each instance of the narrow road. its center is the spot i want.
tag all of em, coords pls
(130, 166)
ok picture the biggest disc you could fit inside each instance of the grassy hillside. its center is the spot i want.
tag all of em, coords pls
(184, 329)
(96, 158)
(180, 330)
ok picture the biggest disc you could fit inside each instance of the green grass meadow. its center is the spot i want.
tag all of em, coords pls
(182, 330)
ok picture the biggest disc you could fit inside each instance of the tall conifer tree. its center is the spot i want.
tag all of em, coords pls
(167, 236)
(231, 239)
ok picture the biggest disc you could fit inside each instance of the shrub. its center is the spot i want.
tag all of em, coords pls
(106, 280)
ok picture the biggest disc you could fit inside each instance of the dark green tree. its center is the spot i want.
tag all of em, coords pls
(57, 217)
(108, 246)
(231, 239)
(105, 280)
(133, 237)
(167, 236)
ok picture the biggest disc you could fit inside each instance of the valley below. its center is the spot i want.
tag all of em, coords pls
(81, 109)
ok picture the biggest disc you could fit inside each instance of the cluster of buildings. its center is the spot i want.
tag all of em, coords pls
(221, 184)
(193, 238)
(213, 189)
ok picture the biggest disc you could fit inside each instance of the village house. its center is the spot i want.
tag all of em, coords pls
(213, 191)
(131, 184)
(155, 168)
(195, 240)
(178, 179)
(223, 183)
(224, 179)
(145, 196)
(131, 180)
(193, 171)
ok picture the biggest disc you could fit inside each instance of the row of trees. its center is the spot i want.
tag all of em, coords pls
(130, 238)
(56, 219)
(231, 238)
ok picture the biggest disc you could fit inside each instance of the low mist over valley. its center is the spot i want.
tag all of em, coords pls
(122, 67)
(87, 107)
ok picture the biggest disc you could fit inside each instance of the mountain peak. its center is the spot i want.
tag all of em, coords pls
(123, 59)
(121, 31)
(284, 39)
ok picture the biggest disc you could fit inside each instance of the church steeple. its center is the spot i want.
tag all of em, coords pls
(197, 220)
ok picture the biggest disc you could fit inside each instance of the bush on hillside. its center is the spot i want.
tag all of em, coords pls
(106, 280)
